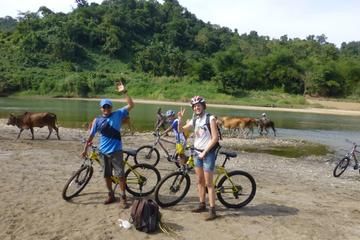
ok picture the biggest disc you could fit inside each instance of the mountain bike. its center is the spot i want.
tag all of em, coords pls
(234, 189)
(345, 161)
(141, 179)
(149, 154)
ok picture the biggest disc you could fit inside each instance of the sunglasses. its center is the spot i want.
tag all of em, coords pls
(106, 106)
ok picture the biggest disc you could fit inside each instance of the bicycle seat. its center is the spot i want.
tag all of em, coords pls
(131, 152)
(229, 154)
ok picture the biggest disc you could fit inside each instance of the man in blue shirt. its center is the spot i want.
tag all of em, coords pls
(110, 144)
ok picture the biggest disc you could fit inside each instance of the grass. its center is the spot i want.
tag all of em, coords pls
(307, 149)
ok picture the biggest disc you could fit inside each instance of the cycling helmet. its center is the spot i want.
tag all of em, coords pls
(264, 114)
(197, 99)
(169, 113)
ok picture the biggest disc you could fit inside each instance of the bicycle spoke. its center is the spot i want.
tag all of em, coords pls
(172, 189)
(142, 180)
(236, 190)
(77, 182)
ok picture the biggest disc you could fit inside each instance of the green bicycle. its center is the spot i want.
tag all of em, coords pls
(141, 179)
(234, 189)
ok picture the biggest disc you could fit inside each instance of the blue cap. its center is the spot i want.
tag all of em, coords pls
(104, 102)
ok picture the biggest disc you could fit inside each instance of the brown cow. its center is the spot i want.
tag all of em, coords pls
(30, 120)
(239, 124)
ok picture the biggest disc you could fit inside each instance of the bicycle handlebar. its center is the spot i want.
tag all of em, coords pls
(349, 141)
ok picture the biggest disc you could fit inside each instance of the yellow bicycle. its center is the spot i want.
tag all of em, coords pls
(234, 189)
(141, 179)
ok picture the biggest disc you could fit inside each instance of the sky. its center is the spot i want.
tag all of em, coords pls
(338, 20)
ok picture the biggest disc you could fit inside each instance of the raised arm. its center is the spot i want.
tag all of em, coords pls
(121, 89)
(182, 128)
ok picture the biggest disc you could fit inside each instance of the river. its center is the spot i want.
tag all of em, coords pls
(330, 130)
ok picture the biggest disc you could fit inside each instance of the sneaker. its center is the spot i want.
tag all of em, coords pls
(123, 203)
(356, 167)
(111, 198)
(212, 214)
(200, 208)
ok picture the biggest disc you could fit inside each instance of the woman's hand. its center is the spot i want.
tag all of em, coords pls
(181, 112)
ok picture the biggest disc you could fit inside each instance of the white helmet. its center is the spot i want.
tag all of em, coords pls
(263, 114)
(197, 99)
(169, 113)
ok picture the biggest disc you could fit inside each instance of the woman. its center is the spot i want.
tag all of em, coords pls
(206, 142)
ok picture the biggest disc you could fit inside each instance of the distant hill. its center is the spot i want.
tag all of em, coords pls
(163, 51)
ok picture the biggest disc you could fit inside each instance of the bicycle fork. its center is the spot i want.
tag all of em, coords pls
(175, 186)
(234, 189)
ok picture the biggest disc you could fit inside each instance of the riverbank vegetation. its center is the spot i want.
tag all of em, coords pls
(162, 51)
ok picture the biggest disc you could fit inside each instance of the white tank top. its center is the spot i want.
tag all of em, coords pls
(202, 133)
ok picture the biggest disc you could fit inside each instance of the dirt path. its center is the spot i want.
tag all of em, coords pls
(295, 199)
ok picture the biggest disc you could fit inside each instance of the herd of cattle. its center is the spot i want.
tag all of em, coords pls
(243, 126)
(239, 126)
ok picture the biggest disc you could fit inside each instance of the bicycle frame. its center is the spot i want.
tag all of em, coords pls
(219, 170)
(352, 154)
(94, 156)
(159, 140)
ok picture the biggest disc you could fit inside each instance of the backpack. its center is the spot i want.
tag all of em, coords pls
(207, 122)
(145, 215)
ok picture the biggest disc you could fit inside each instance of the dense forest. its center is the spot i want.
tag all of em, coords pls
(163, 51)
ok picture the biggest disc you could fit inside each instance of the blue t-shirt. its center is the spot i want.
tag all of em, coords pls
(179, 136)
(109, 128)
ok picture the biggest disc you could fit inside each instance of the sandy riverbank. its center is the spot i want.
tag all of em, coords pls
(295, 199)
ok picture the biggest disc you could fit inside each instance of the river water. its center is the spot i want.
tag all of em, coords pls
(330, 130)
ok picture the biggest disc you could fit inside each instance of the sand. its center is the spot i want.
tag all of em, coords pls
(295, 199)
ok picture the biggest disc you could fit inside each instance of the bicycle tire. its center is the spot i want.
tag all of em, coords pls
(170, 185)
(145, 185)
(245, 184)
(79, 180)
(147, 154)
(341, 166)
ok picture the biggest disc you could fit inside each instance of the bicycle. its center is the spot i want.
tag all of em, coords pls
(150, 154)
(141, 179)
(234, 189)
(345, 161)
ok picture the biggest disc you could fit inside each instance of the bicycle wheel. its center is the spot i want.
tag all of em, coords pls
(341, 167)
(236, 190)
(172, 189)
(141, 179)
(147, 154)
(77, 182)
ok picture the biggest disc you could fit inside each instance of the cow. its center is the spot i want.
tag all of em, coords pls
(239, 124)
(29, 120)
(264, 125)
(127, 121)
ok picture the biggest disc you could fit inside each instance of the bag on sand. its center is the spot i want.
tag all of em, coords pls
(145, 215)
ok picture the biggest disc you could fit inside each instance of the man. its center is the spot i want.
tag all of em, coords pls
(264, 118)
(110, 144)
(206, 142)
(160, 120)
